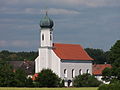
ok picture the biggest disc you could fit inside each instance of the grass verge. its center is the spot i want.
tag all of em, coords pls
(84, 88)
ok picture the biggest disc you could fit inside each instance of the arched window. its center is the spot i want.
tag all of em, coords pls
(42, 36)
(87, 71)
(50, 37)
(80, 72)
(73, 73)
(65, 73)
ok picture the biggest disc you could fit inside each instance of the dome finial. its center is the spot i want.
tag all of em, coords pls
(46, 22)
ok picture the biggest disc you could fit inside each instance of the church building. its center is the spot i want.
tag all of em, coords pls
(66, 60)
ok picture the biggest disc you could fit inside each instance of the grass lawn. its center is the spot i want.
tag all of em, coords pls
(85, 88)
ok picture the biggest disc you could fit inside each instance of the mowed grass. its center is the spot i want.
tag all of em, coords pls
(85, 88)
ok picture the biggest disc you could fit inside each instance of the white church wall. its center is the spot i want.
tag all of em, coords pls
(37, 65)
(70, 65)
(45, 37)
(56, 64)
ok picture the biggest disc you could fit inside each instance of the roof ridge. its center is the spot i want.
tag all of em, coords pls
(66, 44)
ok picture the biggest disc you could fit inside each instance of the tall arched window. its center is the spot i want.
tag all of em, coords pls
(87, 71)
(80, 72)
(42, 36)
(65, 73)
(50, 37)
(73, 73)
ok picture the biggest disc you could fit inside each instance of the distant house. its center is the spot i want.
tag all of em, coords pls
(97, 71)
(27, 66)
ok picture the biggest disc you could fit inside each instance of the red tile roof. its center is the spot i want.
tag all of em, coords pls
(70, 52)
(98, 68)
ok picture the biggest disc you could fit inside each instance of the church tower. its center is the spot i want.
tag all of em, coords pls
(43, 61)
(46, 25)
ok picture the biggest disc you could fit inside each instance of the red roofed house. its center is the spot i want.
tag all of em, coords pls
(97, 71)
(66, 60)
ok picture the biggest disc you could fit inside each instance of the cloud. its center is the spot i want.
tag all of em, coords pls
(2, 43)
(91, 3)
(20, 43)
(62, 11)
(37, 11)
(15, 43)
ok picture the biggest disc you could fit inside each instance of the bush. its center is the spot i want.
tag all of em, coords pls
(112, 86)
(46, 78)
(103, 87)
(85, 80)
(61, 83)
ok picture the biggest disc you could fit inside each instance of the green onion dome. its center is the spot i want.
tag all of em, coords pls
(46, 22)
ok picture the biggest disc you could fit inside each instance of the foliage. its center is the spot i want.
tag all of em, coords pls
(46, 78)
(85, 88)
(29, 82)
(20, 78)
(112, 86)
(85, 80)
(61, 83)
(8, 56)
(98, 55)
(6, 75)
(106, 73)
(113, 74)
(115, 52)
(11, 78)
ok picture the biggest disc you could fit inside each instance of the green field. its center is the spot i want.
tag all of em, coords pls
(86, 88)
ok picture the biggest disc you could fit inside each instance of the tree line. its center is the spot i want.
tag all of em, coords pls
(6, 55)
(99, 56)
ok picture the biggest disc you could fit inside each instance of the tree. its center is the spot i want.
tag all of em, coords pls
(46, 78)
(113, 74)
(107, 74)
(85, 80)
(8, 56)
(98, 55)
(115, 52)
(20, 78)
(6, 76)
(11, 78)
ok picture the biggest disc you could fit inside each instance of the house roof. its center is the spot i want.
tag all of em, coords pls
(98, 68)
(27, 66)
(70, 52)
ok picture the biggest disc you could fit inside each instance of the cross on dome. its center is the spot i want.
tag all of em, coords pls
(46, 22)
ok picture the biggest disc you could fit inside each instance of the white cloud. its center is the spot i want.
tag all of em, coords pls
(37, 11)
(61, 3)
(20, 43)
(62, 11)
(16, 43)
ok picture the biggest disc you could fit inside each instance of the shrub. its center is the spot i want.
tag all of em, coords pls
(85, 80)
(112, 86)
(46, 78)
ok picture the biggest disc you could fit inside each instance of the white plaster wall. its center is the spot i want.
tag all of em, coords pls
(44, 60)
(46, 41)
(37, 65)
(55, 64)
(76, 65)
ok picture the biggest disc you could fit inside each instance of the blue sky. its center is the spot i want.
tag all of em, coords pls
(91, 23)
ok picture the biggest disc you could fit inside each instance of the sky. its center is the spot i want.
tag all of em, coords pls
(90, 23)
